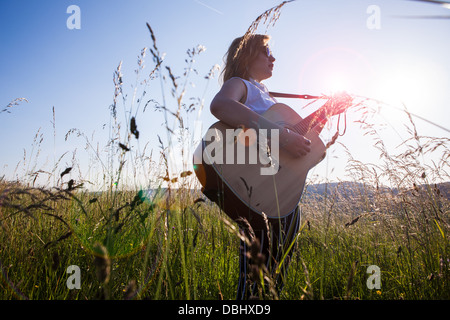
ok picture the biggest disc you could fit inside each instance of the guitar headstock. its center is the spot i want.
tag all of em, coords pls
(338, 103)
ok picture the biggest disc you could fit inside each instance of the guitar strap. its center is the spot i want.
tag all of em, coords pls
(296, 96)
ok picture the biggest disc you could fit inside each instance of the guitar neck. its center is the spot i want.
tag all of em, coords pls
(311, 121)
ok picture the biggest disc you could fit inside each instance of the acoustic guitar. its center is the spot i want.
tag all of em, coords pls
(278, 193)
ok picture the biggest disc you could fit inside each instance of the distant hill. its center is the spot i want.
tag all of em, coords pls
(351, 189)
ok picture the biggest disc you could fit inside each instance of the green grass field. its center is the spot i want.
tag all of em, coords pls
(138, 249)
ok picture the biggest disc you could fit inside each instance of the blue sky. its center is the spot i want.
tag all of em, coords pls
(318, 45)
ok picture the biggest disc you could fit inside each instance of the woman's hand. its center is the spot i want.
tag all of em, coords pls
(294, 143)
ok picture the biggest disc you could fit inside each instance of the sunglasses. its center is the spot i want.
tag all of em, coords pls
(268, 52)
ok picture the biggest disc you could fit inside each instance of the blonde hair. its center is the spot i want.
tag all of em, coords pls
(240, 54)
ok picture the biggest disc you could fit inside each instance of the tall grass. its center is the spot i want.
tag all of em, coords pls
(146, 232)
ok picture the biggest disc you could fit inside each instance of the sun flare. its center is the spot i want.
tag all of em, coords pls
(338, 83)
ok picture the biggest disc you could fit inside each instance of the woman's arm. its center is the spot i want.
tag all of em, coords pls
(226, 107)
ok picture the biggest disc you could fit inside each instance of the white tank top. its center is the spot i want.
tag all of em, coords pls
(258, 97)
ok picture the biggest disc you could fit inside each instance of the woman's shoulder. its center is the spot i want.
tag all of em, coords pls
(237, 86)
(236, 82)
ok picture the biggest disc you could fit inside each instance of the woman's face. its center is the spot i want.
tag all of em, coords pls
(261, 68)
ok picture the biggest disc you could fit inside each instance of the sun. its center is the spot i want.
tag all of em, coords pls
(336, 69)
(338, 83)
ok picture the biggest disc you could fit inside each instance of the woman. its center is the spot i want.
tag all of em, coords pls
(240, 103)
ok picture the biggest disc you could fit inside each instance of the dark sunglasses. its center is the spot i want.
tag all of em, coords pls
(268, 52)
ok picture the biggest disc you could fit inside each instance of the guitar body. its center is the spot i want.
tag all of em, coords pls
(277, 194)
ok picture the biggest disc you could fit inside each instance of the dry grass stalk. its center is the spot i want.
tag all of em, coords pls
(12, 104)
(269, 16)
